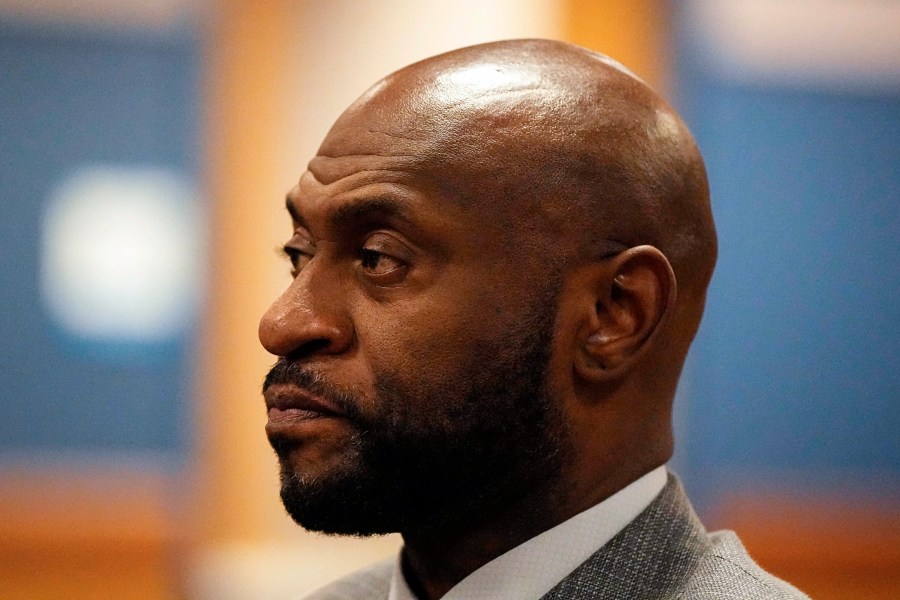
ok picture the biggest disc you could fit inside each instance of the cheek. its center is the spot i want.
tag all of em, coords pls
(427, 346)
(423, 344)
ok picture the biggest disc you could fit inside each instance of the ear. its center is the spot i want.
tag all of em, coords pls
(633, 294)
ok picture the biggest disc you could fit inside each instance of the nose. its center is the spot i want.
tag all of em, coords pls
(307, 319)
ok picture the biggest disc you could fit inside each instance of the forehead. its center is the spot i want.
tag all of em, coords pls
(382, 123)
(352, 187)
(367, 152)
(356, 152)
(431, 152)
(340, 194)
(440, 116)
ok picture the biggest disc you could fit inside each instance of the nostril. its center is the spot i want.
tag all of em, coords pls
(313, 347)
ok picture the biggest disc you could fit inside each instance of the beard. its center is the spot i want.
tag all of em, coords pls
(439, 451)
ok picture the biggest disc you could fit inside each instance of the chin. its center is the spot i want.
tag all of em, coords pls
(338, 504)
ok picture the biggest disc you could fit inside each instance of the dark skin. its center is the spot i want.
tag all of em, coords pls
(437, 203)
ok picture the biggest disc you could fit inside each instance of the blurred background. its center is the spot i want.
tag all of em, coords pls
(146, 149)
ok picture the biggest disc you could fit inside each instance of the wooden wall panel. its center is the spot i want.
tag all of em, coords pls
(247, 44)
(93, 534)
(831, 547)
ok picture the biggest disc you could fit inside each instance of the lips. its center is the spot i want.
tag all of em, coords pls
(290, 407)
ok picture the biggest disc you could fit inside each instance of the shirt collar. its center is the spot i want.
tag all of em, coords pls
(532, 569)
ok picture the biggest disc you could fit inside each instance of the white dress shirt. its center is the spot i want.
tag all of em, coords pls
(532, 569)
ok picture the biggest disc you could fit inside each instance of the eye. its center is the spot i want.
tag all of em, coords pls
(299, 249)
(298, 258)
(377, 263)
(383, 259)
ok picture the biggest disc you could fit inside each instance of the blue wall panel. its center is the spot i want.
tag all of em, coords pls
(797, 365)
(69, 98)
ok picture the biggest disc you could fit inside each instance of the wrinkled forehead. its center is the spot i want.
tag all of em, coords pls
(382, 128)
(419, 112)
(480, 127)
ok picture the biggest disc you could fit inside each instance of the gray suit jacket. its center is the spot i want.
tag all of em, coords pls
(664, 553)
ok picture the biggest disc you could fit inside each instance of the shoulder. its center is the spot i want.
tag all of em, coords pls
(727, 572)
(371, 583)
(666, 553)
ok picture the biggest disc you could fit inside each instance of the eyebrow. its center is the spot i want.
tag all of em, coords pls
(295, 214)
(355, 211)
(368, 208)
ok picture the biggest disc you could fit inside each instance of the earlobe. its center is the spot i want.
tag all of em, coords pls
(633, 296)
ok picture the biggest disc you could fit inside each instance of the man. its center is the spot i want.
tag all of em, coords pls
(500, 258)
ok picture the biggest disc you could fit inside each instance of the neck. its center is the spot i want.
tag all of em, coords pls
(435, 559)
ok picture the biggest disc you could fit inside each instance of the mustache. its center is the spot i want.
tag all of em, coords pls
(287, 372)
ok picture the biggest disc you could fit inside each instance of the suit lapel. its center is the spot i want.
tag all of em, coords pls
(651, 558)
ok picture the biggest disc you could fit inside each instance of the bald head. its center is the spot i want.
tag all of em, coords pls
(539, 130)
